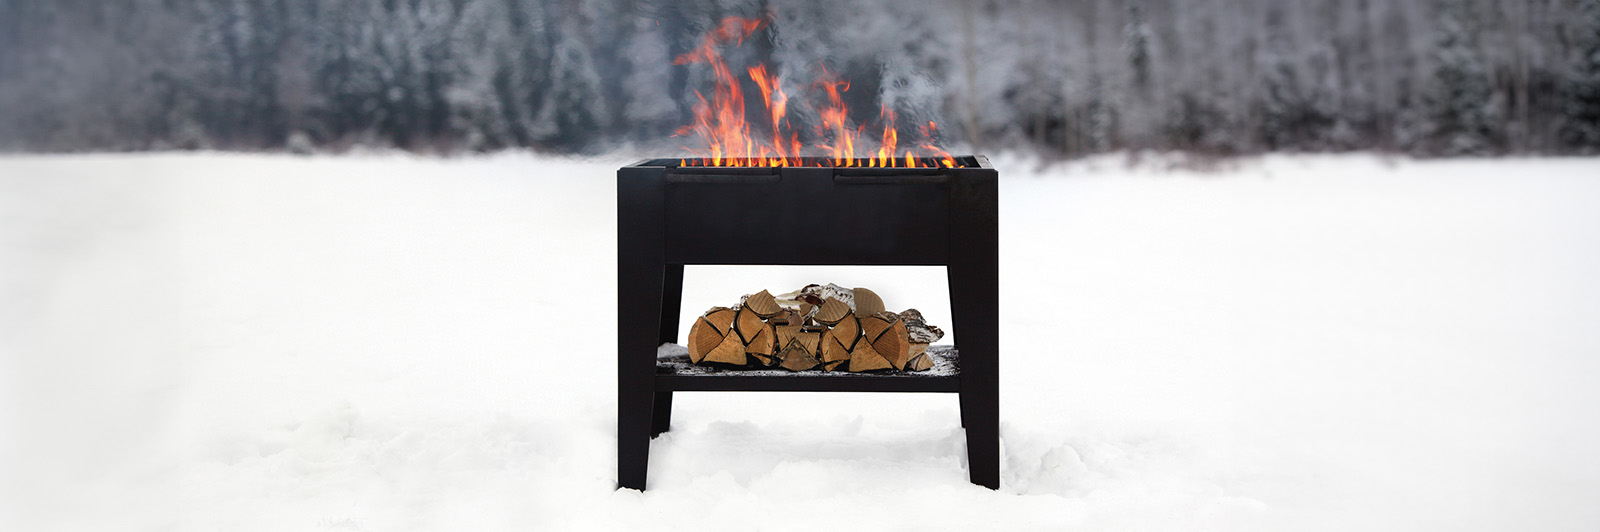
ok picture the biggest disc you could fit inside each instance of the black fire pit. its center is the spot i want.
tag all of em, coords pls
(671, 213)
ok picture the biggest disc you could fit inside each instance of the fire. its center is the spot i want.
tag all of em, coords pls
(720, 120)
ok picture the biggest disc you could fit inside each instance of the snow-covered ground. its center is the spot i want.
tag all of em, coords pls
(247, 342)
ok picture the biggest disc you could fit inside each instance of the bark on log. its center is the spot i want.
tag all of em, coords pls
(920, 334)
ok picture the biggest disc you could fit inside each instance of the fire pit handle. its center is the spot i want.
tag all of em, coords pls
(871, 177)
(720, 179)
(723, 175)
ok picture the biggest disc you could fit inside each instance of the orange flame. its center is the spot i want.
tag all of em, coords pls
(890, 137)
(945, 158)
(836, 118)
(720, 121)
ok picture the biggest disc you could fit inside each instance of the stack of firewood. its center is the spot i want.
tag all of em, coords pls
(825, 327)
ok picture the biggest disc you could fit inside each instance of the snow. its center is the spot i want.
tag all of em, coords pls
(384, 342)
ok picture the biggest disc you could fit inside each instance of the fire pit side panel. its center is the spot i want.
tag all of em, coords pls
(809, 216)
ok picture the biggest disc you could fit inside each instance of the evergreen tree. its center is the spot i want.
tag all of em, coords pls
(1460, 102)
(575, 112)
(1280, 100)
(1095, 118)
(1581, 129)
(1139, 107)
(1138, 44)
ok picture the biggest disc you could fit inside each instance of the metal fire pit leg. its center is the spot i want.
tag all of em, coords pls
(661, 421)
(642, 274)
(671, 302)
(974, 274)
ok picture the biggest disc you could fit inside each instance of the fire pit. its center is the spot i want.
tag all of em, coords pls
(804, 211)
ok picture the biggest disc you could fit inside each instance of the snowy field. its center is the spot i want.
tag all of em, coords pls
(366, 343)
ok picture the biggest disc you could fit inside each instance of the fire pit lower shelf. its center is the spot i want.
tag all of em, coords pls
(676, 373)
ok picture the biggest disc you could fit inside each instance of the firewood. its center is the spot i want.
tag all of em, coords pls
(759, 340)
(763, 304)
(708, 332)
(785, 325)
(820, 326)
(730, 351)
(867, 302)
(800, 353)
(920, 334)
(844, 295)
(797, 348)
(918, 330)
(810, 304)
(865, 358)
(785, 316)
(919, 359)
(832, 311)
(822, 292)
(886, 333)
(839, 341)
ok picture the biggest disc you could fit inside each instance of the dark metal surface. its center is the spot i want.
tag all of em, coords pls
(668, 217)
(806, 216)
(679, 374)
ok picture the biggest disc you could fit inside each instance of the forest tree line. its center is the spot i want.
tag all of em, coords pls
(1068, 78)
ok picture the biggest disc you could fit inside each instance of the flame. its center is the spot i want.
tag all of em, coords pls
(890, 138)
(776, 108)
(944, 157)
(835, 119)
(720, 120)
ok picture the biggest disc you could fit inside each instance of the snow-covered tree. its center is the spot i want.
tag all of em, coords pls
(1460, 102)
(1462, 76)
(1581, 129)
(1139, 103)
(1280, 101)
(575, 111)
(1137, 34)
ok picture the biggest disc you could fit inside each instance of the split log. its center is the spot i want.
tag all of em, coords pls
(822, 292)
(800, 353)
(785, 323)
(763, 304)
(832, 311)
(866, 358)
(756, 336)
(886, 332)
(918, 329)
(843, 347)
(919, 360)
(920, 334)
(839, 341)
(710, 332)
(867, 302)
